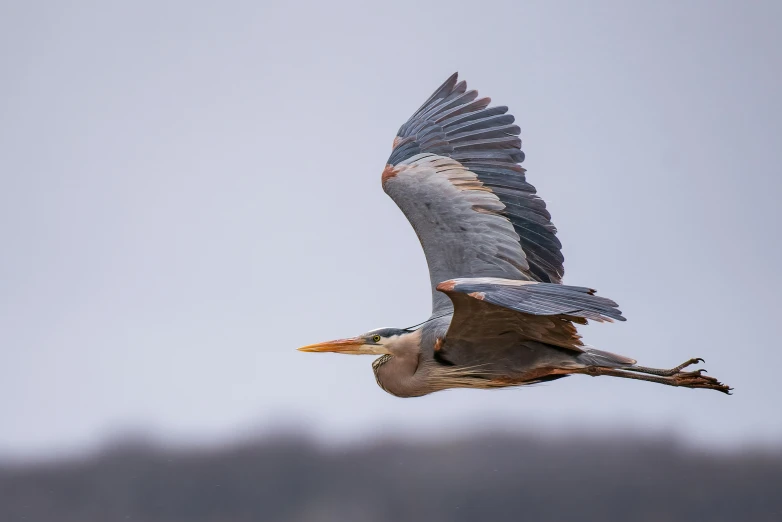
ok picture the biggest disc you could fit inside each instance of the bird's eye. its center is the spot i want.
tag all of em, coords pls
(376, 338)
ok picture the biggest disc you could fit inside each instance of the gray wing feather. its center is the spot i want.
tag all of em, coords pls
(455, 123)
(458, 222)
(487, 308)
(538, 298)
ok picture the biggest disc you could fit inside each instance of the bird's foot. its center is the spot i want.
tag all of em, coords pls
(696, 379)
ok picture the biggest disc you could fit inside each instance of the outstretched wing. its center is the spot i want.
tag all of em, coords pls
(488, 308)
(454, 173)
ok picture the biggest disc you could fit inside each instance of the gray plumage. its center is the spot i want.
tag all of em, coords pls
(458, 222)
(454, 124)
(500, 316)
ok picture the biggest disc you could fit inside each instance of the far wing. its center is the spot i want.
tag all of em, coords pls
(454, 159)
(488, 309)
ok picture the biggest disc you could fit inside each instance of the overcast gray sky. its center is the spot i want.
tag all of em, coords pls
(191, 190)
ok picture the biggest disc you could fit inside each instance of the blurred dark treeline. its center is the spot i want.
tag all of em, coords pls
(472, 479)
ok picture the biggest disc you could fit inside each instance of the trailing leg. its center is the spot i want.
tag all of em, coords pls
(694, 379)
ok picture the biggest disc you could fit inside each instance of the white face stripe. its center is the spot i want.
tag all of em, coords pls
(374, 349)
(382, 345)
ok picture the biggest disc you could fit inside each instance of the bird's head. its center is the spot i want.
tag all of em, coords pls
(375, 342)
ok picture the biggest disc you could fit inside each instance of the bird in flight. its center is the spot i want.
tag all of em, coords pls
(500, 315)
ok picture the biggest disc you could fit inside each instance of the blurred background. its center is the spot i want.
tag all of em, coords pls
(190, 190)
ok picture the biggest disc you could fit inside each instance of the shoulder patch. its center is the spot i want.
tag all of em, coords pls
(389, 172)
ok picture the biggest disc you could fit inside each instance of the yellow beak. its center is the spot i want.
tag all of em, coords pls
(339, 346)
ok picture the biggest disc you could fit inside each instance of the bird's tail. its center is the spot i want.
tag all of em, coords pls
(595, 357)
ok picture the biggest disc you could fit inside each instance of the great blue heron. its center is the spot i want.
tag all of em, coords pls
(500, 315)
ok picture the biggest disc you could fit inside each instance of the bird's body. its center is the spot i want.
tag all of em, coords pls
(412, 371)
(500, 315)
